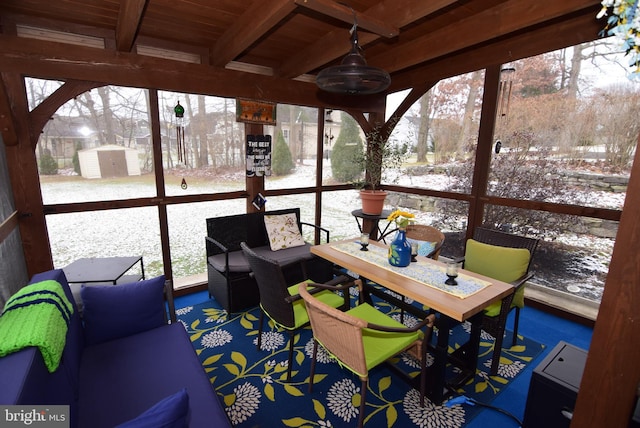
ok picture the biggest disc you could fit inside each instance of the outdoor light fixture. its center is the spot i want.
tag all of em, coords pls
(353, 75)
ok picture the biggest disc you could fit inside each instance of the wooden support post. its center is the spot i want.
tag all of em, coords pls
(483, 151)
(25, 181)
(607, 393)
(163, 218)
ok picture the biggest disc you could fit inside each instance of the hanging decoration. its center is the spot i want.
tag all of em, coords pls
(504, 89)
(182, 152)
(504, 99)
(258, 152)
(254, 111)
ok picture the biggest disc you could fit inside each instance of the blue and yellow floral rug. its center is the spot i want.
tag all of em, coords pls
(253, 388)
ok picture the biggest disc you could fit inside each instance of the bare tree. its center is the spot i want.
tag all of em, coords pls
(424, 127)
(469, 136)
(107, 115)
(618, 110)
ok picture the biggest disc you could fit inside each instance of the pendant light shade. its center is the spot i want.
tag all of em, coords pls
(353, 75)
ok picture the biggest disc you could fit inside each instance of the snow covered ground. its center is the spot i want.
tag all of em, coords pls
(135, 231)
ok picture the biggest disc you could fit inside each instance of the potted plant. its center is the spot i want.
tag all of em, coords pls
(378, 158)
(350, 158)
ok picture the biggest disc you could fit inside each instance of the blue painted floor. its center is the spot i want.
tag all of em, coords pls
(535, 324)
(544, 328)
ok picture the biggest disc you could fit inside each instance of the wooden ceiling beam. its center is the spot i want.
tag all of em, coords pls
(336, 43)
(257, 21)
(578, 29)
(495, 22)
(348, 15)
(50, 60)
(129, 20)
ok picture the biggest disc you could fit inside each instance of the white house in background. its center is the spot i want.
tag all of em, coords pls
(108, 161)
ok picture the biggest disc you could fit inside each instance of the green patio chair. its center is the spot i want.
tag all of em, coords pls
(362, 338)
(505, 257)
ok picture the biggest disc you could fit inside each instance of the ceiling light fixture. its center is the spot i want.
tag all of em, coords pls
(353, 75)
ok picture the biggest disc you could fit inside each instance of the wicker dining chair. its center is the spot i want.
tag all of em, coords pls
(427, 236)
(430, 241)
(506, 257)
(362, 338)
(281, 303)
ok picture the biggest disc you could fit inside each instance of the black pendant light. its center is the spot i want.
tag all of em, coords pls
(353, 75)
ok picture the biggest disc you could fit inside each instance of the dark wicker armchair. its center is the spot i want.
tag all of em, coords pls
(229, 275)
(281, 303)
(495, 316)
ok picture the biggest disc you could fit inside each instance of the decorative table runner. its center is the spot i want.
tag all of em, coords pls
(424, 272)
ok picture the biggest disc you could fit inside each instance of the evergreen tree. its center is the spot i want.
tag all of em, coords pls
(76, 159)
(281, 161)
(347, 150)
(48, 165)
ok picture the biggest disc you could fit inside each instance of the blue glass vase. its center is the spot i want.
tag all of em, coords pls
(400, 250)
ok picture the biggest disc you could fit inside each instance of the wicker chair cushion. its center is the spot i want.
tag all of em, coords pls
(238, 262)
(379, 346)
(502, 263)
(283, 231)
(299, 310)
(288, 255)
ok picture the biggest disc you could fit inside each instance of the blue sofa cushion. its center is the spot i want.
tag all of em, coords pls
(115, 311)
(170, 412)
(158, 363)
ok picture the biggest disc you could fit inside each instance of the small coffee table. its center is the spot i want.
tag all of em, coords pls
(103, 270)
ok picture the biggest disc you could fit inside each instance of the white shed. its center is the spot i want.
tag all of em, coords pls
(108, 161)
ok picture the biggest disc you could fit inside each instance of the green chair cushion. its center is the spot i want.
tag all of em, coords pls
(379, 346)
(300, 311)
(502, 263)
(493, 310)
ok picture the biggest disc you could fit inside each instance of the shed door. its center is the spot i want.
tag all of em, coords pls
(113, 163)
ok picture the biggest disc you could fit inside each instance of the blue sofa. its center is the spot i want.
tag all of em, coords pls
(116, 371)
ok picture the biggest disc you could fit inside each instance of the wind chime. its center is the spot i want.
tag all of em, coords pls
(182, 150)
(504, 90)
(182, 153)
(504, 96)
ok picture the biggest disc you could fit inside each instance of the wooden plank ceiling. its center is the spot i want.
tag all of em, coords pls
(295, 39)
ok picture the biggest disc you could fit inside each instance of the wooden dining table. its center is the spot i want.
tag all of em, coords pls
(423, 282)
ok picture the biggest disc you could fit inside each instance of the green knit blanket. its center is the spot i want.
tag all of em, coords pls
(37, 315)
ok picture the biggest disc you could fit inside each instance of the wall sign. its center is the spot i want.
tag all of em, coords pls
(252, 111)
(258, 155)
